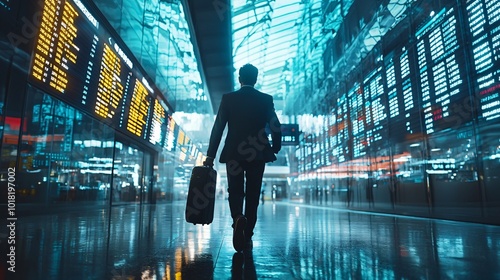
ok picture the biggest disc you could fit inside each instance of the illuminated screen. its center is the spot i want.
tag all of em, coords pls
(289, 134)
(159, 124)
(78, 60)
(441, 63)
(484, 25)
(180, 137)
(332, 136)
(170, 141)
(342, 152)
(358, 116)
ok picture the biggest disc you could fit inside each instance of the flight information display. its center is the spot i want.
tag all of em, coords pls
(342, 151)
(170, 135)
(76, 59)
(376, 113)
(357, 116)
(158, 124)
(392, 93)
(441, 60)
(484, 25)
(289, 134)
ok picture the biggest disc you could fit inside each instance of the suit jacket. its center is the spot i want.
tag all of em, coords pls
(247, 112)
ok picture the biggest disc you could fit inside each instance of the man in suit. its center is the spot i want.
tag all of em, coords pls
(247, 112)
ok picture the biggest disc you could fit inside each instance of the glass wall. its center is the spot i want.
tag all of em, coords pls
(490, 175)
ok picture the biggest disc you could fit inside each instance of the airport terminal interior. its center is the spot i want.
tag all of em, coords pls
(390, 159)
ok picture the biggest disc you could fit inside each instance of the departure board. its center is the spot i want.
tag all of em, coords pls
(376, 113)
(170, 135)
(137, 121)
(407, 86)
(403, 112)
(357, 116)
(484, 25)
(441, 63)
(158, 124)
(79, 61)
(6, 5)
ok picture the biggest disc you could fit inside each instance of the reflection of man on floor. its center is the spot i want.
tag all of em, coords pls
(246, 112)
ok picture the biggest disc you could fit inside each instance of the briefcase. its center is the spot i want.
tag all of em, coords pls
(201, 195)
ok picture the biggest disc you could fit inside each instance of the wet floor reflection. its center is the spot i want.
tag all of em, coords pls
(291, 242)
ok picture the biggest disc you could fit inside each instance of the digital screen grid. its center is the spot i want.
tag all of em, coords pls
(442, 64)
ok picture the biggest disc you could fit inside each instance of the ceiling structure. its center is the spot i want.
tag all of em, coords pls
(275, 35)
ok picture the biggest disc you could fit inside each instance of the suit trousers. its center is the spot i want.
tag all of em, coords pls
(245, 192)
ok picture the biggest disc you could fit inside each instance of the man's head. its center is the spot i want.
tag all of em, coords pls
(248, 75)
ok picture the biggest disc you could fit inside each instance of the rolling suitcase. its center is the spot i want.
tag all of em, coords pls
(201, 195)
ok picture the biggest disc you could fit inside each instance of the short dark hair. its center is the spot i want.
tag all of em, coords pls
(248, 74)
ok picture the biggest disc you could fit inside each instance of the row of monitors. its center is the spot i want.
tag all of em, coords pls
(440, 76)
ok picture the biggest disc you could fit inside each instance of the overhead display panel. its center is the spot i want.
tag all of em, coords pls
(392, 94)
(289, 134)
(484, 26)
(333, 137)
(403, 111)
(79, 61)
(441, 64)
(6, 5)
(342, 150)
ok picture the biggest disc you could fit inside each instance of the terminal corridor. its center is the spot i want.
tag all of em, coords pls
(292, 241)
(378, 122)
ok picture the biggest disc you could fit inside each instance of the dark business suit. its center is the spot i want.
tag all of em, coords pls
(246, 112)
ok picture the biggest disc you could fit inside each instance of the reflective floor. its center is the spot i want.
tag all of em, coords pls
(292, 241)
